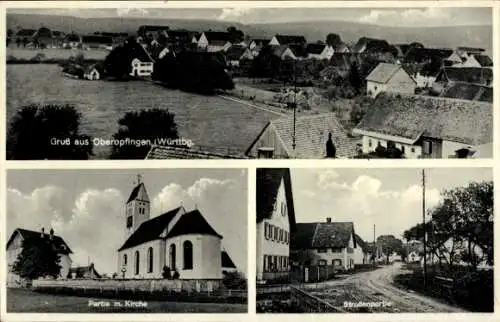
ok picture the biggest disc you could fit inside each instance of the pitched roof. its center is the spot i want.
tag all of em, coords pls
(82, 270)
(217, 36)
(141, 53)
(470, 49)
(135, 193)
(290, 39)
(268, 183)
(279, 50)
(344, 60)
(192, 222)
(484, 60)
(421, 55)
(361, 243)
(311, 134)
(261, 42)
(59, 243)
(475, 75)
(383, 73)
(150, 230)
(235, 52)
(161, 152)
(298, 50)
(411, 116)
(370, 44)
(227, 262)
(315, 48)
(468, 91)
(322, 235)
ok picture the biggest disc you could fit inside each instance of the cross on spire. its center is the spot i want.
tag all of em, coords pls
(139, 178)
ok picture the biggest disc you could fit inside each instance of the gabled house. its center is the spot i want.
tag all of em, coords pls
(475, 61)
(468, 91)
(93, 72)
(283, 52)
(362, 251)
(235, 54)
(428, 127)
(256, 45)
(280, 40)
(371, 45)
(311, 137)
(389, 78)
(275, 223)
(84, 272)
(141, 61)
(330, 243)
(319, 51)
(15, 247)
(450, 75)
(213, 41)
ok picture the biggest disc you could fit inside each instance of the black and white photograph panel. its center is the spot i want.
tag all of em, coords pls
(245, 83)
(127, 241)
(399, 240)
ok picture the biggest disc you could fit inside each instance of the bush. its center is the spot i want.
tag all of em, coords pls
(475, 291)
(34, 129)
(149, 125)
(235, 281)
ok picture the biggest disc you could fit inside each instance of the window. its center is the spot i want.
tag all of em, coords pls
(150, 260)
(370, 143)
(403, 149)
(322, 262)
(266, 228)
(173, 260)
(281, 235)
(321, 250)
(337, 262)
(136, 262)
(265, 263)
(270, 231)
(427, 147)
(129, 221)
(188, 255)
(124, 259)
(265, 153)
(412, 150)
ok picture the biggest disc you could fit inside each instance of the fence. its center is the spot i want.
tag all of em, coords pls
(310, 303)
(305, 274)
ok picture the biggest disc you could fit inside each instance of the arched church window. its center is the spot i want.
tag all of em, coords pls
(136, 262)
(150, 260)
(172, 257)
(188, 255)
(124, 259)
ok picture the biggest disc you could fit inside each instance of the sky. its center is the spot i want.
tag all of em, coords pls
(86, 207)
(389, 198)
(405, 17)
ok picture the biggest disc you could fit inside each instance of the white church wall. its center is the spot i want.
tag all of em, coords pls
(143, 260)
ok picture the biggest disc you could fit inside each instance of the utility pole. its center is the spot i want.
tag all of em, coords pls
(294, 104)
(425, 233)
(374, 245)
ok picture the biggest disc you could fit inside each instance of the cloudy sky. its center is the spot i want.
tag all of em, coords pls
(86, 207)
(389, 198)
(407, 17)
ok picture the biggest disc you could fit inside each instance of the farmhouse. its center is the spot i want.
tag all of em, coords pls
(330, 243)
(141, 62)
(83, 272)
(475, 61)
(362, 252)
(450, 75)
(280, 40)
(15, 247)
(389, 78)
(275, 223)
(283, 52)
(468, 91)
(371, 45)
(235, 54)
(319, 51)
(428, 127)
(213, 41)
(311, 137)
(182, 241)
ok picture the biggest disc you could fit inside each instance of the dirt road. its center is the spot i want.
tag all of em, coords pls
(374, 291)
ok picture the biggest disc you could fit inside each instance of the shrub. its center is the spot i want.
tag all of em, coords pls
(35, 127)
(166, 272)
(234, 280)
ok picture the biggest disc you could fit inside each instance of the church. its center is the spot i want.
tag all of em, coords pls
(178, 240)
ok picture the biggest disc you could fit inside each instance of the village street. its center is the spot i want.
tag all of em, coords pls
(374, 291)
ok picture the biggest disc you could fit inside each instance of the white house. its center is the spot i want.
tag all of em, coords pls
(15, 247)
(275, 222)
(213, 41)
(91, 73)
(389, 78)
(361, 252)
(142, 63)
(182, 241)
(428, 127)
(319, 51)
(330, 243)
(475, 61)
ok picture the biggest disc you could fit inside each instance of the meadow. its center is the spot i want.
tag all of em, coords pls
(210, 122)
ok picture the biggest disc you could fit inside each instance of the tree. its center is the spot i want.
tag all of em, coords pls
(147, 126)
(333, 40)
(234, 280)
(38, 258)
(166, 272)
(50, 132)
(10, 32)
(235, 35)
(389, 245)
(118, 62)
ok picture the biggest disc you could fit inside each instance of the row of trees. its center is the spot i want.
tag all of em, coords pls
(461, 228)
(52, 132)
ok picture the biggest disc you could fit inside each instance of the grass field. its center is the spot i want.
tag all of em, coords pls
(22, 300)
(55, 53)
(207, 121)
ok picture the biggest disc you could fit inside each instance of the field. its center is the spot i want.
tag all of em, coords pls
(21, 300)
(208, 121)
(53, 53)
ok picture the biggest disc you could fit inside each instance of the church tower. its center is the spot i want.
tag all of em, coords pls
(137, 207)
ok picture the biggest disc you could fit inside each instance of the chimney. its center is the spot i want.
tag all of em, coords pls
(329, 220)
(43, 232)
(51, 234)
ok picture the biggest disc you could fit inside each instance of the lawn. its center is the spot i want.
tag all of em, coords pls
(22, 300)
(55, 53)
(210, 122)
